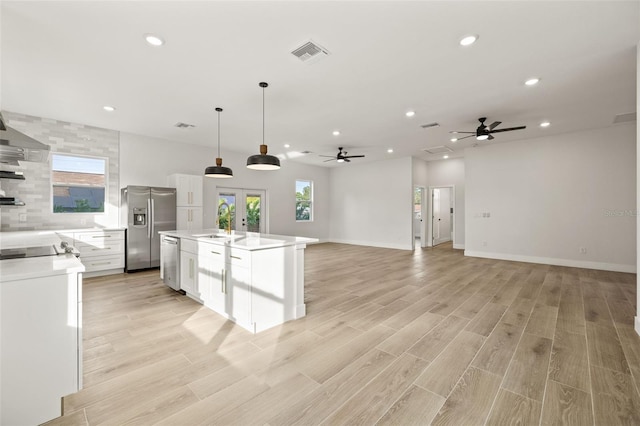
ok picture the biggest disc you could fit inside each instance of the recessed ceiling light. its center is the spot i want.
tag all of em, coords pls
(545, 124)
(454, 139)
(468, 40)
(286, 145)
(336, 133)
(445, 156)
(153, 40)
(108, 108)
(410, 113)
(532, 81)
(390, 150)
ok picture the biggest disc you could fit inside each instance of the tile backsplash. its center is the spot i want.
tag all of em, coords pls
(35, 190)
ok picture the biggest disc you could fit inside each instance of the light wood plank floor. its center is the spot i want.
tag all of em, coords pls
(391, 337)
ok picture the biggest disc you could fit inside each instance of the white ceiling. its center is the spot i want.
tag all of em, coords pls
(65, 60)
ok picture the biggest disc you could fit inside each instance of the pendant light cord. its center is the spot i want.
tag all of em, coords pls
(218, 134)
(263, 116)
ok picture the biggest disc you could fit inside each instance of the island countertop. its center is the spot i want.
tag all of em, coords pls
(240, 240)
(35, 267)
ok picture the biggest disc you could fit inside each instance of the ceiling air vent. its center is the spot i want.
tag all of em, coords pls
(624, 118)
(309, 51)
(181, 125)
(438, 150)
(426, 126)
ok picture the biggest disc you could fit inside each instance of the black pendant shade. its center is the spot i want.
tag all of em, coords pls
(263, 161)
(218, 171)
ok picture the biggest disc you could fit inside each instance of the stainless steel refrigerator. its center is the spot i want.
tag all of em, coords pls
(146, 211)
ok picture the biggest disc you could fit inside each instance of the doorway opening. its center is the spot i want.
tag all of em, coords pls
(246, 208)
(442, 229)
(419, 212)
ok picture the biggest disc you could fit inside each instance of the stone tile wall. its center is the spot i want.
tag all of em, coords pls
(35, 191)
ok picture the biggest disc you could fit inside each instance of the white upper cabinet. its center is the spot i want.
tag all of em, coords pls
(188, 189)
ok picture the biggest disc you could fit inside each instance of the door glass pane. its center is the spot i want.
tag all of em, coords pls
(226, 208)
(253, 202)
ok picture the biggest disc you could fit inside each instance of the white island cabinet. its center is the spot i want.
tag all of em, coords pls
(255, 280)
(41, 330)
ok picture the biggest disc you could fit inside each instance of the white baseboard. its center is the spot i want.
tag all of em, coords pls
(458, 246)
(638, 325)
(373, 244)
(603, 266)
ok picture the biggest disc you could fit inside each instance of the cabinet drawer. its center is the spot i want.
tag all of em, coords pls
(100, 248)
(103, 263)
(212, 251)
(189, 245)
(89, 237)
(239, 257)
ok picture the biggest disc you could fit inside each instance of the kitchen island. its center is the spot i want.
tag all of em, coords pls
(41, 329)
(255, 280)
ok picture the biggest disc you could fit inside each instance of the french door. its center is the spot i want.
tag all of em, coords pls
(246, 207)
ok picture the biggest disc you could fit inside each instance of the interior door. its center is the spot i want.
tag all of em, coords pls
(246, 207)
(441, 217)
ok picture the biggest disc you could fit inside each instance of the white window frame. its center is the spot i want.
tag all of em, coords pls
(311, 202)
(106, 183)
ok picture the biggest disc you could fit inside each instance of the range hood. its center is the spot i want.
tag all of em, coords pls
(16, 146)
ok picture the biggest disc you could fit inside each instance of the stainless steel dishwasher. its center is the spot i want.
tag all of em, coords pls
(171, 261)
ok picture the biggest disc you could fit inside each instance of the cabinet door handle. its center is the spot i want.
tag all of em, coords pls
(214, 252)
(101, 236)
(236, 257)
(100, 263)
(223, 287)
(190, 268)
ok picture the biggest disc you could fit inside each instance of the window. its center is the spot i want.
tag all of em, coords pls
(79, 184)
(304, 200)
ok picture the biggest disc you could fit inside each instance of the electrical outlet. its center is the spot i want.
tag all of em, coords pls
(83, 221)
(22, 217)
(583, 250)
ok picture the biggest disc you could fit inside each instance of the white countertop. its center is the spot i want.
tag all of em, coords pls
(241, 240)
(35, 267)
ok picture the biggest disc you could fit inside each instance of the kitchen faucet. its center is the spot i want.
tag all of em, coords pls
(224, 203)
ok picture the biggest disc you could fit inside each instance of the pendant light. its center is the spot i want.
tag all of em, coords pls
(218, 171)
(263, 161)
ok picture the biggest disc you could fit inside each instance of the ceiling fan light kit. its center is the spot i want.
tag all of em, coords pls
(342, 156)
(263, 161)
(218, 171)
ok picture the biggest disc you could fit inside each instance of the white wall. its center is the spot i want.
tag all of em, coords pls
(148, 161)
(371, 203)
(547, 197)
(446, 173)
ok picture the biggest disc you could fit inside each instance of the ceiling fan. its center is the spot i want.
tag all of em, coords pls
(484, 132)
(342, 156)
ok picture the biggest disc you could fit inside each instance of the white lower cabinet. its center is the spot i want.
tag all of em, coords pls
(189, 268)
(101, 251)
(251, 288)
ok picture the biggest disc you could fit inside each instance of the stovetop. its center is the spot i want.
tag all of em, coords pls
(37, 251)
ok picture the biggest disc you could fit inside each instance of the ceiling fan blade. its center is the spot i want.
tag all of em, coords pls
(453, 131)
(353, 156)
(332, 159)
(494, 125)
(490, 137)
(470, 136)
(328, 156)
(346, 160)
(509, 129)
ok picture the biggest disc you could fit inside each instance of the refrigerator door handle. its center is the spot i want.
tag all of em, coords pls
(149, 218)
(153, 216)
